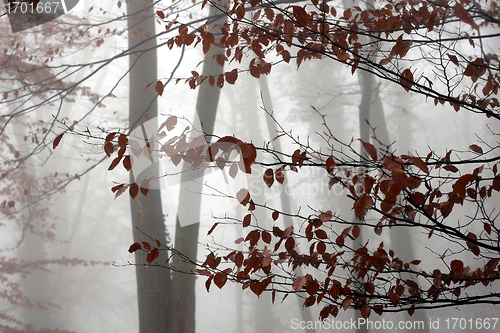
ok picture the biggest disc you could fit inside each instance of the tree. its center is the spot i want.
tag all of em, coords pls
(388, 190)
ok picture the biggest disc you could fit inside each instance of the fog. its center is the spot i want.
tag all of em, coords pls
(65, 260)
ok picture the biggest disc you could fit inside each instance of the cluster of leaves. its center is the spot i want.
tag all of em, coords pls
(405, 190)
(352, 36)
(198, 153)
(373, 279)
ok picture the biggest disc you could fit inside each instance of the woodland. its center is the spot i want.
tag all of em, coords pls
(251, 166)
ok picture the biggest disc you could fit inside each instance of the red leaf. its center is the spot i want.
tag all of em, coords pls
(127, 162)
(406, 79)
(212, 229)
(487, 228)
(275, 215)
(461, 183)
(269, 177)
(362, 205)
(453, 59)
(160, 14)
(419, 163)
(159, 87)
(232, 76)
(152, 255)
(370, 149)
(220, 279)
(246, 220)
(57, 140)
(476, 149)
(457, 267)
(312, 287)
(134, 247)
(411, 310)
(365, 312)
(119, 189)
(243, 196)
(205, 272)
(356, 232)
(330, 164)
(122, 141)
(145, 187)
(109, 149)
(393, 297)
(325, 216)
(321, 234)
(134, 190)
(208, 282)
(266, 237)
(450, 168)
(279, 175)
(445, 208)
(321, 247)
(147, 246)
(346, 302)
(462, 14)
(238, 259)
(299, 283)
(300, 15)
(114, 163)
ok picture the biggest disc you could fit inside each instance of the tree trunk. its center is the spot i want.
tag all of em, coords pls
(186, 237)
(286, 206)
(153, 284)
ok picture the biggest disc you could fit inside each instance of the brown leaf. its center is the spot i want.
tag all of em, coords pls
(476, 149)
(134, 247)
(213, 227)
(220, 279)
(419, 163)
(371, 150)
(145, 187)
(243, 196)
(362, 205)
(205, 272)
(114, 163)
(269, 177)
(356, 232)
(109, 148)
(57, 140)
(330, 164)
(394, 298)
(152, 255)
(462, 14)
(246, 220)
(127, 162)
(406, 79)
(346, 302)
(299, 283)
(232, 76)
(279, 175)
(122, 141)
(159, 87)
(300, 15)
(134, 190)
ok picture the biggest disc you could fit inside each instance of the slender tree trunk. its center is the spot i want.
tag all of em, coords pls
(284, 198)
(366, 84)
(153, 284)
(186, 237)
